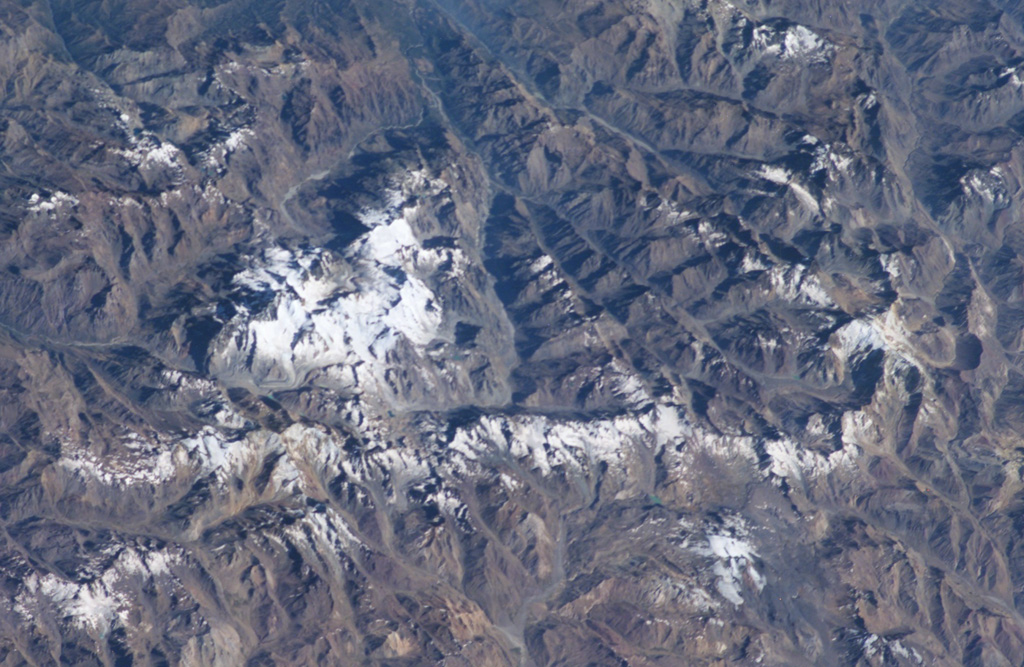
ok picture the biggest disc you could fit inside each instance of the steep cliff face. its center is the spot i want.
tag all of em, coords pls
(474, 332)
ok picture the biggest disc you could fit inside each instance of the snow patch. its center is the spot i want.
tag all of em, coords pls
(329, 530)
(793, 283)
(795, 42)
(800, 41)
(58, 200)
(151, 152)
(857, 336)
(782, 176)
(790, 460)
(805, 197)
(734, 555)
(873, 645)
(986, 185)
(752, 262)
(775, 174)
(237, 139)
(1014, 75)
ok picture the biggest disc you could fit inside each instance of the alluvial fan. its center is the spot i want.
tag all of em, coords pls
(483, 333)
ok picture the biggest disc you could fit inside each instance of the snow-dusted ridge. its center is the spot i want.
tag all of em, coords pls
(104, 602)
(181, 462)
(545, 442)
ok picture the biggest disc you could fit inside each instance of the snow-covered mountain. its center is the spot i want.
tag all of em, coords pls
(470, 332)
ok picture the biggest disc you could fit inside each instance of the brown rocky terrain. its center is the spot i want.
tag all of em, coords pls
(472, 332)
